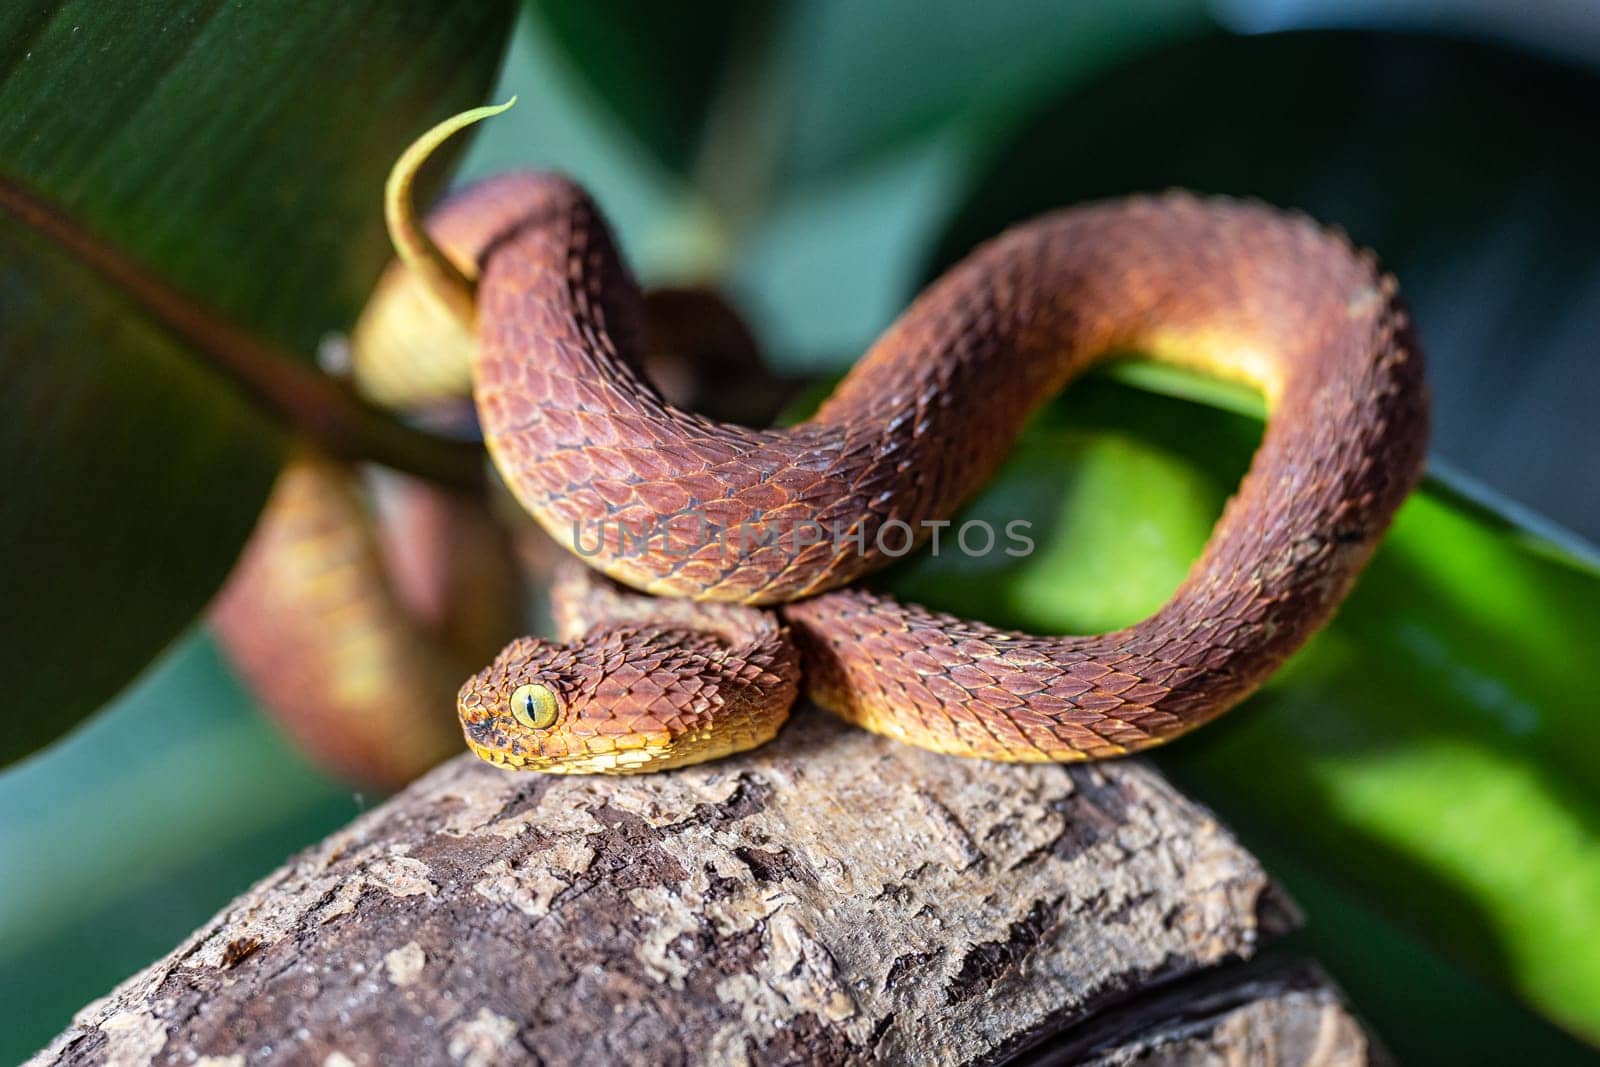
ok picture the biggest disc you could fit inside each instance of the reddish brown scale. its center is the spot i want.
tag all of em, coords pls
(1237, 289)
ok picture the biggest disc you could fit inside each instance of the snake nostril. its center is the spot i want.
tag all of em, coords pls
(474, 711)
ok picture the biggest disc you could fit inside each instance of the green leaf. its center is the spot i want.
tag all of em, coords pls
(559, 124)
(1434, 750)
(659, 68)
(1418, 1004)
(870, 78)
(810, 89)
(116, 843)
(236, 152)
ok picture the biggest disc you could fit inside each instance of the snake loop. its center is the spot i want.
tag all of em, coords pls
(586, 443)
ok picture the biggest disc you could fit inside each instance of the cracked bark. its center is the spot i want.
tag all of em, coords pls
(833, 897)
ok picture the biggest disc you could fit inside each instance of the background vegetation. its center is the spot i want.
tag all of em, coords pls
(1422, 777)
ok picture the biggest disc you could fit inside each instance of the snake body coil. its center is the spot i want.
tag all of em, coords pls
(625, 479)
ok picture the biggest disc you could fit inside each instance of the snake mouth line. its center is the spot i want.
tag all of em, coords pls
(493, 755)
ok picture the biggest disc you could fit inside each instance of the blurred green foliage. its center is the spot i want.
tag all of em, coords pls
(1421, 777)
(120, 840)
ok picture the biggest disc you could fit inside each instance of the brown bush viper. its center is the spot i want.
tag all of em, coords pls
(735, 626)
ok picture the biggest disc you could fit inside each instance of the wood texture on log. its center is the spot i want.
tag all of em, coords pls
(832, 897)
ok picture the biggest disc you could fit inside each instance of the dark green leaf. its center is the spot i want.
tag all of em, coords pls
(827, 86)
(117, 842)
(869, 78)
(659, 68)
(1419, 1005)
(237, 152)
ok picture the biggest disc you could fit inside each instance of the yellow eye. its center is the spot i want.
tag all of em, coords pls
(535, 706)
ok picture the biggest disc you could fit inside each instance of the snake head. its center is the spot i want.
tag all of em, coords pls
(621, 700)
(527, 708)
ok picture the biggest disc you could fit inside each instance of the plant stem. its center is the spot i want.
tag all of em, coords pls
(325, 409)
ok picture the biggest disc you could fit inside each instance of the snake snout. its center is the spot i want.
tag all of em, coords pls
(471, 705)
(530, 708)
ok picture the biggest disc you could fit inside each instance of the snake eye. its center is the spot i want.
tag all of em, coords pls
(535, 706)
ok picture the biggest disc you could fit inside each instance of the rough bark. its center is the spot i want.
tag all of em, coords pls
(832, 897)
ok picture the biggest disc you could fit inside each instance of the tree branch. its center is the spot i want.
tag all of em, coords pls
(831, 897)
